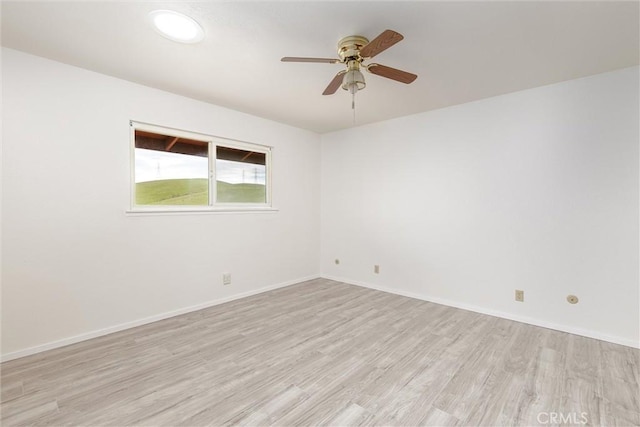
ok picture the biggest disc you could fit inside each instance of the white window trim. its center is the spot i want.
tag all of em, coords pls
(213, 207)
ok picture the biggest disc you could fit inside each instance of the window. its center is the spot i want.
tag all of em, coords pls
(177, 170)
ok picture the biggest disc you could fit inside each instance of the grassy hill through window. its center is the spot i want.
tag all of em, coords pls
(195, 192)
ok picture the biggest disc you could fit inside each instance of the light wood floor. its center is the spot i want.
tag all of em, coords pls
(326, 353)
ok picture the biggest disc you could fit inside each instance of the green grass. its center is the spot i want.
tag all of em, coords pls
(195, 192)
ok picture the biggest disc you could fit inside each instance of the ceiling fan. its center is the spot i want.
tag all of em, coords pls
(353, 51)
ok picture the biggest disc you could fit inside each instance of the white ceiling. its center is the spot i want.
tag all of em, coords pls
(461, 51)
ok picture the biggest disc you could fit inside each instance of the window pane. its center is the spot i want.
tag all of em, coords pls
(241, 176)
(170, 170)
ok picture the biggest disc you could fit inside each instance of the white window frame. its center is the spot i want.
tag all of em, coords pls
(213, 142)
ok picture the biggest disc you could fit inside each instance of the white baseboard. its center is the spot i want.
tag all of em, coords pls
(105, 331)
(523, 319)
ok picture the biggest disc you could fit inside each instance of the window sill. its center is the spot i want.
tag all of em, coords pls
(199, 211)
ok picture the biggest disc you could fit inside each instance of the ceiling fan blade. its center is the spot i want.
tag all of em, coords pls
(392, 73)
(322, 60)
(335, 84)
(381, 43)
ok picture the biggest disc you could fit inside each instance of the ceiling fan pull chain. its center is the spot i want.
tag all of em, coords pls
(353, 107)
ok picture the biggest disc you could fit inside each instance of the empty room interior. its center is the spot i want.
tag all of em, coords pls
(330, 213)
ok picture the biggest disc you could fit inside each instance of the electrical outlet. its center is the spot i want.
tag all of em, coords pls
(376, 269)
(226, 278)
(519, 295)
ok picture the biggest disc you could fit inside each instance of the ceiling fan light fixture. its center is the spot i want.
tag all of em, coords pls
(353, 81)
(176, 26)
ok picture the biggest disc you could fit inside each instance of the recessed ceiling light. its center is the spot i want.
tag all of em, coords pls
(176, 26)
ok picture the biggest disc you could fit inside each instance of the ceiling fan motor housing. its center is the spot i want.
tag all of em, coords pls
(349, 47)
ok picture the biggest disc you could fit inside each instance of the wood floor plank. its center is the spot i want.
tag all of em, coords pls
(11, 390)
(351, 415)
(324, 353)
(28, 414)
(436, 417)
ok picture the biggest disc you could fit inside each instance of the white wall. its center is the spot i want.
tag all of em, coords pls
(74, 264)
(535, 190)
